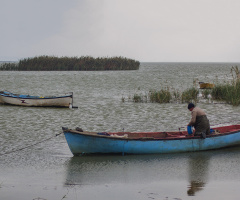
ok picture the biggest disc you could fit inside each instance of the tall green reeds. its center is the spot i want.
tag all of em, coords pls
(230, 91)
(166, 96)
(190, 95)
(137, 98)
(162, 96)
(8, 67)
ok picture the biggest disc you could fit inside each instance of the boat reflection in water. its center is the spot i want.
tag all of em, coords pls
(130, 169)
(198, 172)
(161, 171)
(156, 176)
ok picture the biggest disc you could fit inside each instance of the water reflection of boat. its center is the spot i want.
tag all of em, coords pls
(38, 101)
(99, 170)
(142, 175)
(81, 142)
(198, 172)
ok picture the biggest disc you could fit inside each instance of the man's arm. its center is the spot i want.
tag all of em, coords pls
(193, 119)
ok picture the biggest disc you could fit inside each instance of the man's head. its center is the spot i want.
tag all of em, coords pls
(190, 106)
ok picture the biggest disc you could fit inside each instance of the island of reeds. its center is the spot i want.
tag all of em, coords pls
(87, 63)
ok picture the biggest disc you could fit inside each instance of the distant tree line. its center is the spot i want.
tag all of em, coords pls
(51, 63)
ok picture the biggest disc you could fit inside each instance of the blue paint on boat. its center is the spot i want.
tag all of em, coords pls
(93, 143)
(23, 96)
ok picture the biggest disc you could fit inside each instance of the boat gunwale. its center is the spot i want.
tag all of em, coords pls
(187, 137)
(34, 98)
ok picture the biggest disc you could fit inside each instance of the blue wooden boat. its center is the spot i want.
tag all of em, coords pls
(83, 142)
(38, 101)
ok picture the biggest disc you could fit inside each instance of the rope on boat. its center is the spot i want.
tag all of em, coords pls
(20, 149)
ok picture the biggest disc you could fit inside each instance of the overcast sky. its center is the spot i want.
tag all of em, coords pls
(144, 30)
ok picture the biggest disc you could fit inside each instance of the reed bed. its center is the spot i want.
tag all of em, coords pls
(162, 96)
(165, 96)
(87, 63)
(190, 95)
(8, 67)
(228, 92)
(138, 98)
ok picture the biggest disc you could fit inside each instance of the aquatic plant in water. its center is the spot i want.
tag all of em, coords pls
(162, 96)
(190, 95)
(230, 91)
(137, 98)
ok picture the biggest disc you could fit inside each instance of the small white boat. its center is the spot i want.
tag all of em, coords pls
(38, 101)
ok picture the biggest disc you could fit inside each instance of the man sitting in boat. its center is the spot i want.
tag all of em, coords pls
(199, 120)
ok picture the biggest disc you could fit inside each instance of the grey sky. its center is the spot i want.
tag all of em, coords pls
(145, 30)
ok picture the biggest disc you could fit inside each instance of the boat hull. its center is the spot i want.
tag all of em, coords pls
(206, 85)
(62, 101)
(81, 143)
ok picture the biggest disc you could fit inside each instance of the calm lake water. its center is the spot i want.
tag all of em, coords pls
(48, 170)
